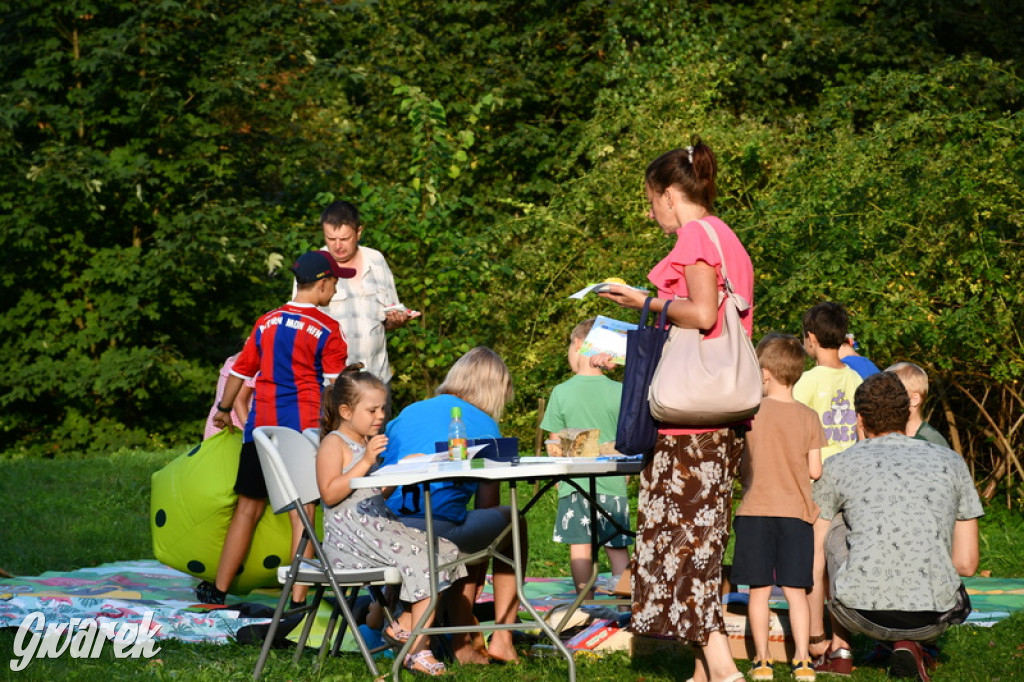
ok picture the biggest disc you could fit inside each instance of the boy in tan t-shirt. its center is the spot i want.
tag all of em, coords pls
(774, 523)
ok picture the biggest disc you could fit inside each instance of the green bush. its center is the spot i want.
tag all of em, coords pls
(164, 161)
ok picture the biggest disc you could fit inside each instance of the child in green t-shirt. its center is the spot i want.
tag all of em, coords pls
(588, 400)
(915, 380)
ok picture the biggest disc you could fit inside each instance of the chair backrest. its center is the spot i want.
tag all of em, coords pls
(289, 466)
(313, 435)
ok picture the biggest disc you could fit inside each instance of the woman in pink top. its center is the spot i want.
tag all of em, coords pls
(686, 491)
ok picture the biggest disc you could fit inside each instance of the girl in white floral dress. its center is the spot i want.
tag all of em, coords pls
(359, 530)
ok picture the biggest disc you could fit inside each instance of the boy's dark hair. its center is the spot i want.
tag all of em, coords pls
(783, 355)
(883, 404)
(828, 322)
(341, 213)
(581, 330)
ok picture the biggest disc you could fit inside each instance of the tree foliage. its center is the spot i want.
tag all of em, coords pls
(164, 160)
(141, 139)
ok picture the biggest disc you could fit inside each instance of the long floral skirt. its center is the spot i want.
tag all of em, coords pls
(682, 529)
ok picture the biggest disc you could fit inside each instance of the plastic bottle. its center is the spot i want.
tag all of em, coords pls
(457, 436)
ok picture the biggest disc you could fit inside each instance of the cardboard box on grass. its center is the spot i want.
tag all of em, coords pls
(604, 635)
(741, 642)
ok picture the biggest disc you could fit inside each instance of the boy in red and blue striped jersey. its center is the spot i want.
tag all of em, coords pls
(292, 351)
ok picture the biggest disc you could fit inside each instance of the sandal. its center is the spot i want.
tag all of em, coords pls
(803, 672)
(761, 670)
(394, 635)
(815, 640)
(834, 662)
(423, 662)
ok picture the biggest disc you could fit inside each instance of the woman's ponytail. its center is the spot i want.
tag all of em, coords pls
(705, 170)
(692, 169)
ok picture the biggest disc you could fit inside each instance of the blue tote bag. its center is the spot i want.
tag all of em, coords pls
(637, 432)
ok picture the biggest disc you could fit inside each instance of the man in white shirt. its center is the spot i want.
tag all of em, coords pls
(367, 305)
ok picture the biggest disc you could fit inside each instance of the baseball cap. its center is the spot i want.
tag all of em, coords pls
(316, 265)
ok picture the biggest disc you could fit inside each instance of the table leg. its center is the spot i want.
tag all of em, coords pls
(418, 627)
(582, 592)
(517, 557)
(596, 542)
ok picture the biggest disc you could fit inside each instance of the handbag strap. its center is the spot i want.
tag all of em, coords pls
(713, 236)
(740, 301)
(663, 315)
(645, 311)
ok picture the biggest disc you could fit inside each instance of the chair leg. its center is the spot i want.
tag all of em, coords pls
(328, 635)
(307, 625)
(346, 613)
(336, 644)
(352, 594)
(342, 604)
(286, 593)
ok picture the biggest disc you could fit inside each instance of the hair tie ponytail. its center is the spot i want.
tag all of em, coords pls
(328, 412)
(705, 170)
(692, 169)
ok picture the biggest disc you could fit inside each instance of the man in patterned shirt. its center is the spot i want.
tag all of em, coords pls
(366, 305)
(902, 518)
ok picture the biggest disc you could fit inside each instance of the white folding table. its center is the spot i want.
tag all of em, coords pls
(548, 469)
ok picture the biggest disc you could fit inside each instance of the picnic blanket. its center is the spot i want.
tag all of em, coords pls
(992, 599)
(124, 592)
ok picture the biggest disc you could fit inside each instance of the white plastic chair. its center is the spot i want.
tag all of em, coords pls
(312, 434)
(288, 459)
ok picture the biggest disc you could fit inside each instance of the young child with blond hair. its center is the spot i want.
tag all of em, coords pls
(588, 400)
(915, 380)
(774, 522)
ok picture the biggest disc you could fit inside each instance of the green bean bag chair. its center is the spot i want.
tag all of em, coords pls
(190, 509)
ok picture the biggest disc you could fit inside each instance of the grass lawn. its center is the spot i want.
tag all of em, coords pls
(67, 514)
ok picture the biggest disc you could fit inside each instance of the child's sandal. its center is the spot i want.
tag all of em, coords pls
(762, 670)
(423, 662)
(394, 635)
(803, 671)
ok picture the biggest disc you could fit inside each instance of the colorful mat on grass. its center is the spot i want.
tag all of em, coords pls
(125, 592)
(992, 599)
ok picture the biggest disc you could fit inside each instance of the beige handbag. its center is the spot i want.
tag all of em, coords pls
(708, 382)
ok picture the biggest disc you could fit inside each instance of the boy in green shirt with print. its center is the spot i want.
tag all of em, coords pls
(588, 400)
